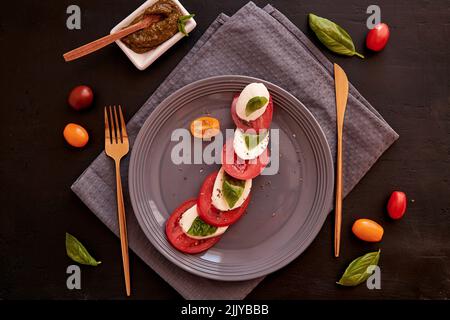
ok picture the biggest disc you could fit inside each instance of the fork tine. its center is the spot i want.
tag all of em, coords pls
(122, 123)
(113, 128)
(107, 131)
(119, 136)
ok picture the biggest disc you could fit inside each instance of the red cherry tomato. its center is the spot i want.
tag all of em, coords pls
(242, 169)
(263, 122)
(81, 97)
(396, 206)
(210, 214)
(179, 239)
(378, 37)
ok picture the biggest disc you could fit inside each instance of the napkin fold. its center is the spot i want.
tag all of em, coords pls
(261, 43)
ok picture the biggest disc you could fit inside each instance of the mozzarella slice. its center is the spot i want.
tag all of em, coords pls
(241, 149)
(218, 199)
(188, 218)
(250, 91)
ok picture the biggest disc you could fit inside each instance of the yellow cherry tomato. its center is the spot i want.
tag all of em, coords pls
(205, 127)
(76, 135)
(368, 230)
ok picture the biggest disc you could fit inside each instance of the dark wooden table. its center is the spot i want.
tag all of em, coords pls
(408, 83)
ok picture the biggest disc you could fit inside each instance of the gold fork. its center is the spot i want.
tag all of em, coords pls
(116, 147)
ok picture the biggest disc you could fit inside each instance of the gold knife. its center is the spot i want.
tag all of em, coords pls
(341, 86)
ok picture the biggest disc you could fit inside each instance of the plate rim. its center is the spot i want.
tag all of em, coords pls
(290, 256)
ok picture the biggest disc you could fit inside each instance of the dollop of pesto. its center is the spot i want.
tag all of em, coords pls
(146, 39)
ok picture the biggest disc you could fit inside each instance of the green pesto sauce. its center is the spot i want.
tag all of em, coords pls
(146, 39)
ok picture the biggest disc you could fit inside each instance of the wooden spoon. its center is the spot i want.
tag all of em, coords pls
(103, 42)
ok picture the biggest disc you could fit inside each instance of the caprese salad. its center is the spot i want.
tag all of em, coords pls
(198, 224)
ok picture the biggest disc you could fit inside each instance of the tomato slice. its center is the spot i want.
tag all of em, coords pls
(263, 122)
(205, 127)
(210, 214)
(243, 169)
(181, 241)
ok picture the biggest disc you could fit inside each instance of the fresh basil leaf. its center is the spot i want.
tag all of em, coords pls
(186, 17)
(181, 28)
(232, 189)
(254, 104)
(78, 253)
(181, 23)
(252, 140)
(333, 36)
(356, 272)
(201, 228)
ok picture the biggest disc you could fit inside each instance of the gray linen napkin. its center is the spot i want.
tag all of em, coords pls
(256, 42)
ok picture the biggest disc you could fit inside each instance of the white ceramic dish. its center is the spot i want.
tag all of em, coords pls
(143, 60)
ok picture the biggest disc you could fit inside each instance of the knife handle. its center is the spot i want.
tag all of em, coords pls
(338, 204)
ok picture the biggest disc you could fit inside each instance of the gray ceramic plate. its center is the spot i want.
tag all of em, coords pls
(287, 209)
